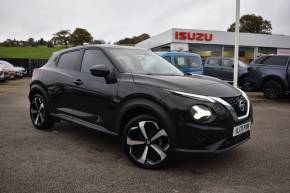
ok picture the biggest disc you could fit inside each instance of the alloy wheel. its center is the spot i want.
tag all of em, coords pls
(37, 111)
(148, 144)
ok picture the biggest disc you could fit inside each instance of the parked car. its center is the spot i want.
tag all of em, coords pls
(6, 72)
(271, 74)
(17, 71)
(2, 76)
(146, 101)
(223, 68)
(188, 63)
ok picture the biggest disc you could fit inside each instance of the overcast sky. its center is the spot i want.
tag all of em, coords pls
(112, 20)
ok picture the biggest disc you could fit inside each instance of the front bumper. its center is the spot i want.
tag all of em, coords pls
(207, 139)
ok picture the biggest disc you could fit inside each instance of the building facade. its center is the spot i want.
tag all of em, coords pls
(218, 43)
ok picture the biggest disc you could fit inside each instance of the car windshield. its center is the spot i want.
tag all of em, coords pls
(188, 62)
(7, 64)
(143, 62)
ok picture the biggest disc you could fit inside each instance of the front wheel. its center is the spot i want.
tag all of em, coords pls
(39, 114)
(146, 142)
(246, 84)
(272, 89)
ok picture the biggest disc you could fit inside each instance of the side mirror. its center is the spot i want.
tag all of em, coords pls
(100, 70)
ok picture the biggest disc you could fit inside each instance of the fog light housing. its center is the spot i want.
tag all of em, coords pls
(202, 113)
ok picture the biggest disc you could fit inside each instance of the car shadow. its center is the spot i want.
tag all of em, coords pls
(93, 140)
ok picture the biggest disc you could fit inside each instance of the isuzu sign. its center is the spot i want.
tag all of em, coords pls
(199, 36)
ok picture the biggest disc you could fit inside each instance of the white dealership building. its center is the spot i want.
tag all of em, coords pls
(218, 43)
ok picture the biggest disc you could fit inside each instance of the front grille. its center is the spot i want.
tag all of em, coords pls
(239, 103)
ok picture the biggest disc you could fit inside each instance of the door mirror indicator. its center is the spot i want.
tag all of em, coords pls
(100, 70)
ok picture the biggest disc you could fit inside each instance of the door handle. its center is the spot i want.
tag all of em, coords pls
(78, 82)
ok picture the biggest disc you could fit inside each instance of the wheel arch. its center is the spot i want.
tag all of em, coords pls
(275, 78)
(138, 106)
(36, 87)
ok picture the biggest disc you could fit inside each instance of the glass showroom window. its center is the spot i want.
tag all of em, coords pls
(266, 51)
(246, 54)
(205, 50)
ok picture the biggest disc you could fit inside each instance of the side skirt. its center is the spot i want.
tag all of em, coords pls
(83, 123)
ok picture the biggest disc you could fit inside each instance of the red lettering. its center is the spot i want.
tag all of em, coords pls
(190, 36)
(193, 36)
(199, 36)
(208, 37)
(182, 35)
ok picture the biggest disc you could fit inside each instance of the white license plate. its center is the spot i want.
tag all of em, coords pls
(241, 129)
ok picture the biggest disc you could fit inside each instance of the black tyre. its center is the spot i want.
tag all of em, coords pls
(272, 89)
(246, 84)
(39, 114)
(146, 142)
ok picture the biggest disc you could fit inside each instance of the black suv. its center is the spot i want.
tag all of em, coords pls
(139, 96)
(271, 74)
(223, 68)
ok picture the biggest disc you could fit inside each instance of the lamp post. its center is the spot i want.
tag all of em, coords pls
(237, 40)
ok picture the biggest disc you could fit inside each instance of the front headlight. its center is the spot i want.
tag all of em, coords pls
(202, 113)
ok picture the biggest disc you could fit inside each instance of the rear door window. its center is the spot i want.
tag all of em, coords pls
(213, 62)
(70, 60)
(187, 61)
(227, 63)
(274, 60)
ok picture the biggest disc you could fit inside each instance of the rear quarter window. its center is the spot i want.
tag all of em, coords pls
(70, 60)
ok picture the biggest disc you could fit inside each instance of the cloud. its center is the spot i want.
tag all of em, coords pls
(112, 20)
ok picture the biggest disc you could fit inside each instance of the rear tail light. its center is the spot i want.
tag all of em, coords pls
(35, 71)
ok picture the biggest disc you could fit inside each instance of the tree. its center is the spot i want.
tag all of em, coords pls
(99, 42)
(253, 24)
(134, 39)
(61, 38)
(31, 42)
(41, 42)
(80, 36)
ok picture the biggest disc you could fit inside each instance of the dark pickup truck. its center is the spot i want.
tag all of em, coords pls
(271, 74)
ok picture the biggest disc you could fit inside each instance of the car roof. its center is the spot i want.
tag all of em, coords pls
(219, 57)
(98, 46)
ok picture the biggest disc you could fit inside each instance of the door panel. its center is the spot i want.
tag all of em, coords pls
(60, 86)
(213, 68)
(94, 95)
(227, 69)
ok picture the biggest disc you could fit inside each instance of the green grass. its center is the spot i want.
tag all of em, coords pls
(41, 52)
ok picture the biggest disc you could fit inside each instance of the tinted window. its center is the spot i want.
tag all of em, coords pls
(259, 60)
(187, 61)
(93, 57)
(168, 58)
(227, 63)
(213, 62)
(70, 60)
(275, 60)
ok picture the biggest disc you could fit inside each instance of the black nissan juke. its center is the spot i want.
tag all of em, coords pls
(153, 107)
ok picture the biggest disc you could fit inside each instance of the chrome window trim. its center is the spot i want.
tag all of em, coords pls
(195, 96)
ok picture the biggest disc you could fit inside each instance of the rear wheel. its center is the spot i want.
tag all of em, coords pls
(272, 89)
(39, 114)
(146, 142)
